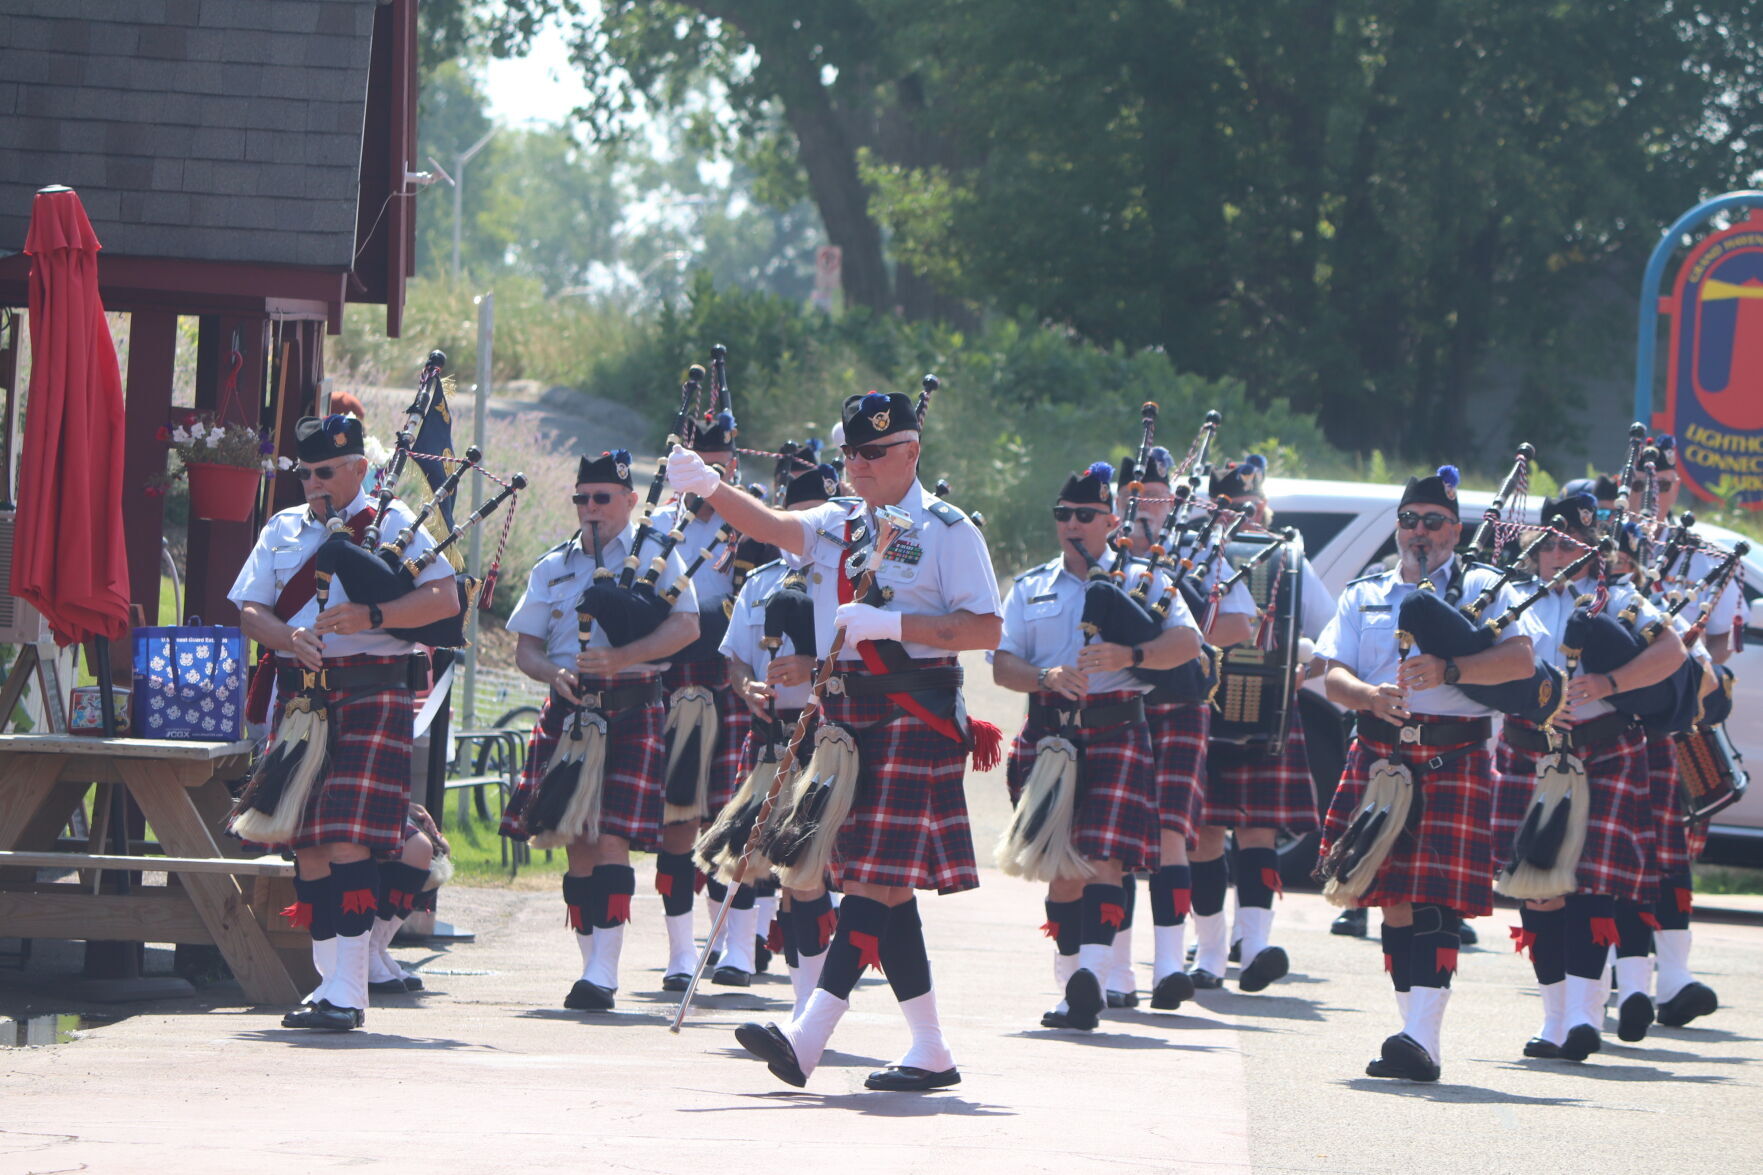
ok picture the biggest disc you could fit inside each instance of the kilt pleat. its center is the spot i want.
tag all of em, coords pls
(1178, 745)
(1619, 838)
(1248, 788)
(1116, 811)
(631, 800)
(1446, 855)
(1675, 845)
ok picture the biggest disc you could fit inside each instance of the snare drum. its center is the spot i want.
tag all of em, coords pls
(1710, 772)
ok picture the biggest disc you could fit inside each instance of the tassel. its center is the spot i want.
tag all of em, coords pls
(1650, 922)
(1686, 900)
(774, 937)
(1271, 879)
(397, 899)
(1604, 932)
(1050, 928)
(618, 908)
(1523, 940)
(1446, 960)
(359, 901)
(868, 950)
(576, 921)
(299, 915)
(988, 744)
(699, 880)
(826, 925)
(664, 884)
(1389, 963)
(1112, 915)
(1184, 902)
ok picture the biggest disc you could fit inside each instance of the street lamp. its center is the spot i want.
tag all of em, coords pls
(464, 158)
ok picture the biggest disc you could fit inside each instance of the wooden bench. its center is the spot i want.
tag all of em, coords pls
(210, 897)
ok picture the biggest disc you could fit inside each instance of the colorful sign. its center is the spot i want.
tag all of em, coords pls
(1714, 376)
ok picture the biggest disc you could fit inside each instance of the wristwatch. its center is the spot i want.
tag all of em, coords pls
(1452, 673)
(1138, 656)
(375, 617)
(1041, 678)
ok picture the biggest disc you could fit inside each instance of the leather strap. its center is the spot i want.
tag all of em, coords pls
(1447, 733)
(1595, 734)
(619, 697)
(873, 685)
(1042, 714)
(336, 678)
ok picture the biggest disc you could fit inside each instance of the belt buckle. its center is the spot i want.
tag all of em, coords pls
(593, 701)
(835, 684)
(314, 679)
(1409, 734)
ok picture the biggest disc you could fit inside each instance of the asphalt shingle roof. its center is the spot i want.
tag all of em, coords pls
(223, 130)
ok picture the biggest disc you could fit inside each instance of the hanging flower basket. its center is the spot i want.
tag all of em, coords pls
(223, 493)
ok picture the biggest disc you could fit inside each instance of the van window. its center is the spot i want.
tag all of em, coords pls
(1319, 527)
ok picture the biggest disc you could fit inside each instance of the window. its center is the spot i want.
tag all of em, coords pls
(1319, 527)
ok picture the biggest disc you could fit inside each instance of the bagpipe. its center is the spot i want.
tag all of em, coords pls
(1258, 682)
(1167, 544)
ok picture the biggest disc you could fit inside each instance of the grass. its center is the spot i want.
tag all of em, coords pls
(478, 849)
(1711, 879)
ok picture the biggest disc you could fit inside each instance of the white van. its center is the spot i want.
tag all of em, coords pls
(1349, 528)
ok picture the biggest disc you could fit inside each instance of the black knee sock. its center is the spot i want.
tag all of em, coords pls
(674, 882)
(1398, 955)
(1546, 934)
(1590, 933)
(1064, 925)
(903, 958)
(1257, 877)
(1129, 898)
(715, 890)
(1634, 929)
(613, 887)
(1172, 895)
(354, 887)
(1676, 899)
(313, 911)
(786, 924)
(578, 897)
(816, 922)
(744, 897)
(855, 945)
(399, 885)
(1211, 879)
(1433, 954)
(1102, 914)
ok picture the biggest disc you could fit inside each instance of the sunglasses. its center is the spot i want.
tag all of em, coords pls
(1408, 520)
(308, 472)
(1604, 513)
(869, 452)
(1552, 543)
(1085, 514)
(598, 498)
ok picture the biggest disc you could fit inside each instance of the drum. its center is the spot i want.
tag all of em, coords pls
(1258, 687)
(1710, 772)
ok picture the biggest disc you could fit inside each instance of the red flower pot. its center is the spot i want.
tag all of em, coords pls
(223, 493)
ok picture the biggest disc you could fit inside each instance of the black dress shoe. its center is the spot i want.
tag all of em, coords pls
(1083, 998)
(1123, 999)
(1267, 965)
(1055, 1019)
(389, 987)
(1171, 991)
(588, 997)
(732, 977)
(1236, 951)
(325, 1016)
(1547, 1050)
(711, 959)
(769, 1045)
(906, 1079)
(412, 983)
(1696, 999)
(1634, 1017)
(678, 981)
(1466, 935)
(1582, 1041)
(1350, 923)
(1404, 1057)
(761, 956)
(1204, 980)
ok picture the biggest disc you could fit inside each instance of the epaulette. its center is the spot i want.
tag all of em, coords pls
(762, 567)
(563, 545)
(1369, 576)
(850, 500)
(945, 513)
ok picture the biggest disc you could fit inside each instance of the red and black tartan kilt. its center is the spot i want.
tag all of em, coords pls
(1618, 853)
(753, 741)
(364, 795)
(908, 825)
(1675, 845)
(1446, 856)
(630, 798)
(732, 719)
(1178, 745)
(1248, 788)
(1116, 812)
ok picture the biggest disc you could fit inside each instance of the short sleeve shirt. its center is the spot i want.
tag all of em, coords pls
(746, 630)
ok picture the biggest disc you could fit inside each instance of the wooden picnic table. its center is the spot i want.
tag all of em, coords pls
(210, 896)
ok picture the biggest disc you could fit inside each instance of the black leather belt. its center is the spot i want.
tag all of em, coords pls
(908, 681)
(1168, 695)
(1041, 714)
(1592, 735)
(618, 697)
(1426, 734)
(336, 678)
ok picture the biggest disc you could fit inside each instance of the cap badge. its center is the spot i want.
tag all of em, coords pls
(622, 470)
(880, 420)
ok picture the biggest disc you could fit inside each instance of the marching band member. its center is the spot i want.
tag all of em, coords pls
(1411, 713)
(356, 812)
(620, 684)
(1569, 936)
(1083, 690)
(1247, 790)
(899, 694)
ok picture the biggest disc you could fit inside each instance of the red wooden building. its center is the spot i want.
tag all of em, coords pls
(243, 162)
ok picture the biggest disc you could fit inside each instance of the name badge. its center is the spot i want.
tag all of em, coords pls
(1374, 607)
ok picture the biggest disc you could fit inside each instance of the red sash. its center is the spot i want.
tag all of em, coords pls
(295, 594)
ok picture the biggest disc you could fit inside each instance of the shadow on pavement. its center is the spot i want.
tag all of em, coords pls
(1596, 1072)
(1641, 1052)
(881, 1105)
(1226, 1003)
(361, 1038)
(1688, 1033)
(1110, 1040)
(1466, 1094)
(612, 1019)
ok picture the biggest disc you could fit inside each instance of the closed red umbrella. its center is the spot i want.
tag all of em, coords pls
(69, 560)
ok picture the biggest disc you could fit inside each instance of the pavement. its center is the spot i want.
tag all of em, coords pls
(484, 1071)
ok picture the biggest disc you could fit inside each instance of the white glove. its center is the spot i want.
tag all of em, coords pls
(865, 622)
(687, 473)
